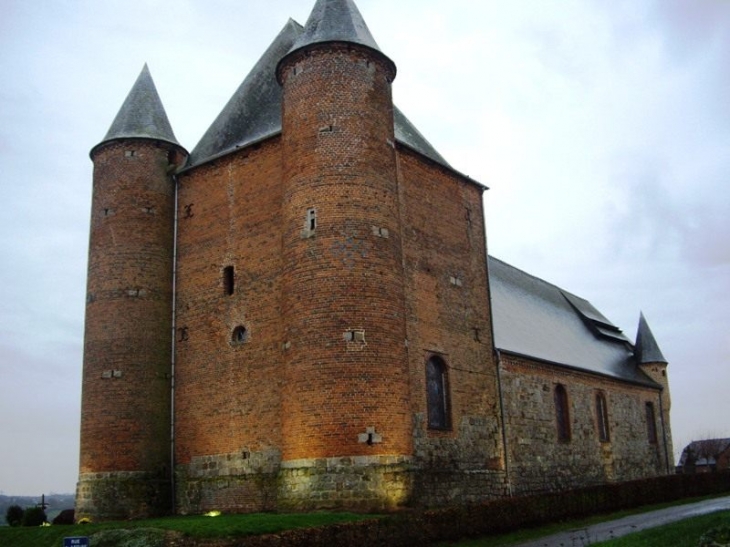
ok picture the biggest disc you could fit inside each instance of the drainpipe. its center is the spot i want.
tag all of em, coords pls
(664, 432)
(172, 343)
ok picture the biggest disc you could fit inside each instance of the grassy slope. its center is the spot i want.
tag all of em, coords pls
(113, 533)
(531, 534)
(685, 533)
(198, 526)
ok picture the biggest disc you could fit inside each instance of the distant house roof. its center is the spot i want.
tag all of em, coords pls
(254, 111)
(703, 452)
(538, 320)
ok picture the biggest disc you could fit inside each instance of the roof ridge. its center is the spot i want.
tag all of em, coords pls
(528, 274)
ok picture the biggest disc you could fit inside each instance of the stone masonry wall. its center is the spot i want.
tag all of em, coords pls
(539, 462)
(357, 483)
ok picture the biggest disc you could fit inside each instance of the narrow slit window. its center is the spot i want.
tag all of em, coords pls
(229, 279)
(311, 220)
(562, 413)
(602, 418)
(651, 423)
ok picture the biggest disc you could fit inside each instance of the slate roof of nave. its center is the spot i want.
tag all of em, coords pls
(254, 111)
(536, 319)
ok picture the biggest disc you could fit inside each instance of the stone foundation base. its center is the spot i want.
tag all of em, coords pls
(357, 483)
(122, 495)
(253, 482)
(260, 482)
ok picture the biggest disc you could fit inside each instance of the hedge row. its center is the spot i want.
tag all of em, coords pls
(423, 527)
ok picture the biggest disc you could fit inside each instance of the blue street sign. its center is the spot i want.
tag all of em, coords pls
(76, 542)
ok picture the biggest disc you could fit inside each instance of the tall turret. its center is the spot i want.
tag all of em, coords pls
(125, 416)
(652, 362)
(346, 390)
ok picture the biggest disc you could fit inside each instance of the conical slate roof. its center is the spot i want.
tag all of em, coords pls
(335, 21)
(142, 115)
(254, 111)
(646, 348)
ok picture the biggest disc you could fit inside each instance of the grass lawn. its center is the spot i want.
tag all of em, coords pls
(151, 532)
(685, 533)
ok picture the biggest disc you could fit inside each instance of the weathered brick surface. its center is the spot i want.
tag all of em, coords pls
(227, 393)
(445, 241)
(539, 462)
(317, 272)
(339, 160)
(126, 373)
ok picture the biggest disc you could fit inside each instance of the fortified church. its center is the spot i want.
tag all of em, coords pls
(301, 313)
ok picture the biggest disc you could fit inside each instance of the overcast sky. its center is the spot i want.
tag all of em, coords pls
(601, 127)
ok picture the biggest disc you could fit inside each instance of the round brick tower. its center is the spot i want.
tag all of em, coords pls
(345, 408)
(125, 415)
(653, 363)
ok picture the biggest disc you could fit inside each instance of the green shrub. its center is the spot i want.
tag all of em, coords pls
(716, 537)
(34, 516)
(14, 515)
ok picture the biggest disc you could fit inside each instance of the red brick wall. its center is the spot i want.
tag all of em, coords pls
(339, 159)
(448, 315)
(125, 422)
(227, 396)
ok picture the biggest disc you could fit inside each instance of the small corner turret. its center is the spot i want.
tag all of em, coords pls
(649, 357)
(646, 349)
(651, 361)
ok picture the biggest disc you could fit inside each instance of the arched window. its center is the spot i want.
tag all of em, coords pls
(437, 398)
(602, 418)
(651, 423)
(562, 414)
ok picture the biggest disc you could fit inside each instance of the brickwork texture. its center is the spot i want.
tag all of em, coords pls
(284, 364)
